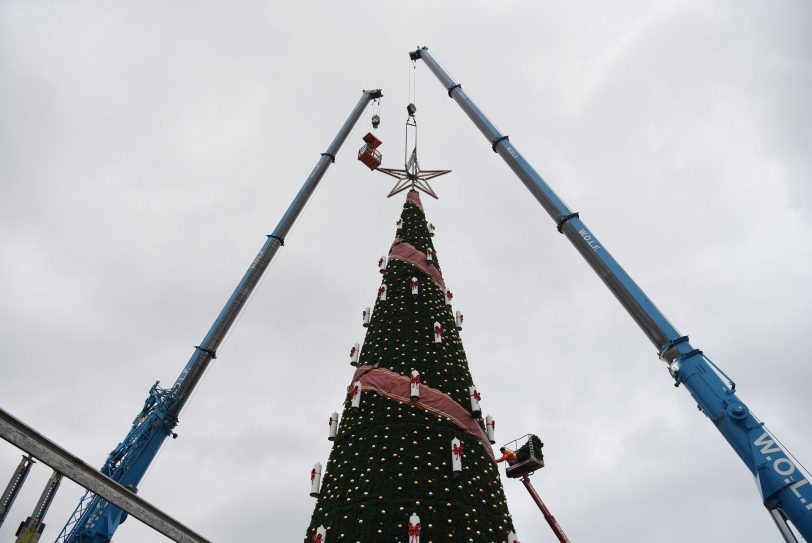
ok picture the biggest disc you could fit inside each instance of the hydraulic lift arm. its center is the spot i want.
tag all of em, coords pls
(784, 488)
(96, 520)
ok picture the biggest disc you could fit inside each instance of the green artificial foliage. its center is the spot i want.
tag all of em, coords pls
(532, 446)
(390, 458)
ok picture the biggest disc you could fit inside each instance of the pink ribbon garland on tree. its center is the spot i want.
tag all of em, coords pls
(407, 253)
(397, 386)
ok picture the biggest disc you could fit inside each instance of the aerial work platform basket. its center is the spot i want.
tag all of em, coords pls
(369, 154)
(529, 457)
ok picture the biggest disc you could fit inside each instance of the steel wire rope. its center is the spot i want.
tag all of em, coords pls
(414, 100)
(412, 93)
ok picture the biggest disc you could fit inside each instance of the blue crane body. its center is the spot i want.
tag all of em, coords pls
(95, 520)
(785, 490)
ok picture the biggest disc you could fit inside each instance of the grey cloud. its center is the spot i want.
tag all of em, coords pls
(146, 149)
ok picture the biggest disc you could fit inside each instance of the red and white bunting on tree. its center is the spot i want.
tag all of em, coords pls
(382, 293)
(490, 429)
(355, 352)
(448, 295)
(414, 528)
(475, 398)
(458, 320)
(414, 386)
(315, 480)
(382, 264)
(320, 536)
(333, 426)
(429, 255)
(366, 315)
(456, 456)
(438, 333)
(355, 394)
(511, 538)
(414, 284)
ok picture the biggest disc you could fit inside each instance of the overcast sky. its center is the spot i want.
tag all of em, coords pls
(146, 148)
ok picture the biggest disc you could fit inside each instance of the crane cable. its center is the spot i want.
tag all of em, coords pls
(412, 92)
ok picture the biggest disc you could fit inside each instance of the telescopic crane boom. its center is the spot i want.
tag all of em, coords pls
(785, 491)
(95, 520)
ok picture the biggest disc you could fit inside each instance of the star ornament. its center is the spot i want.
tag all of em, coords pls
(412, 177)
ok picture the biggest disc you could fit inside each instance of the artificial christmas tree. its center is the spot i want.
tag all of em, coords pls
(397, 458)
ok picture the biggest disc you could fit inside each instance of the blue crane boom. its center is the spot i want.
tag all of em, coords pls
(95, 520)
(785, 490)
